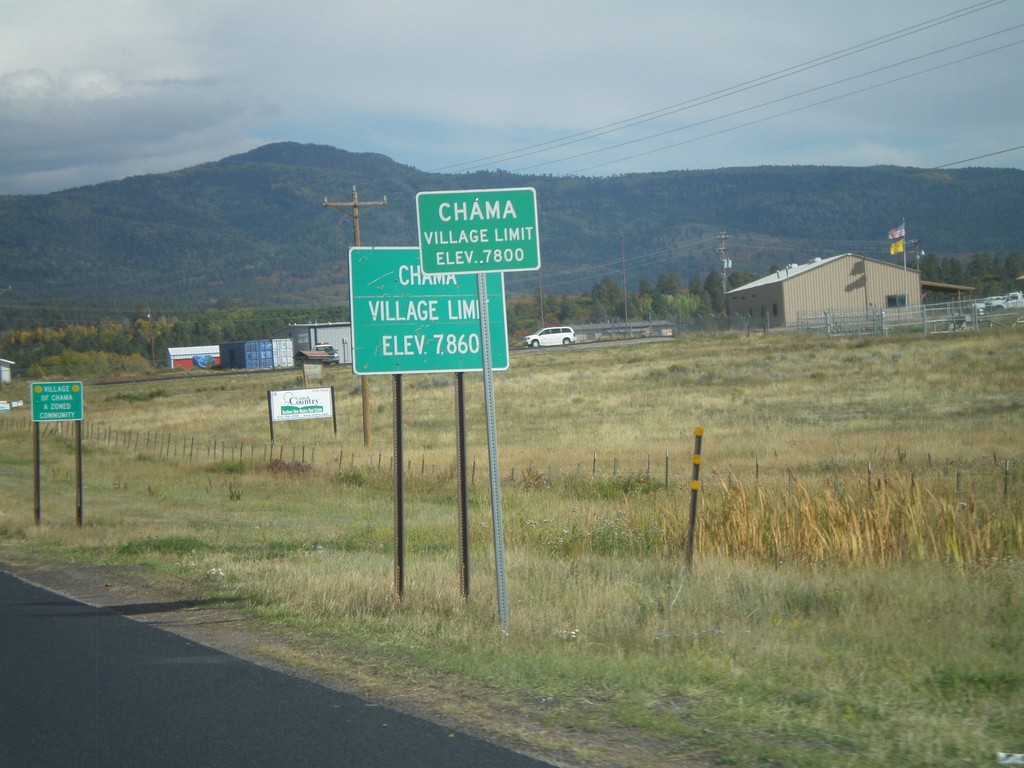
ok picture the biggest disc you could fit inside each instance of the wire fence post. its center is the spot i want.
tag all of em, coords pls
(694, 488)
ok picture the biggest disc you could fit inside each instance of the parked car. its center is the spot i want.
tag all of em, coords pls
(325, 354)
(550, 337)
(1013, 300)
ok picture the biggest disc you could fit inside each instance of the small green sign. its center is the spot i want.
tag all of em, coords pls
(57, 401)
(478, 230)
(407, 321)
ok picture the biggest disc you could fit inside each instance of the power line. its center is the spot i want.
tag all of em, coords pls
(776, 115)
(979, 157)
(778, 100)
(723, 93)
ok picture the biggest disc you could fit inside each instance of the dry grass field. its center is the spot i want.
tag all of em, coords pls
(857, 590)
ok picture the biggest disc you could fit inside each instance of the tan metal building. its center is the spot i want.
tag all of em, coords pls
(845, 282)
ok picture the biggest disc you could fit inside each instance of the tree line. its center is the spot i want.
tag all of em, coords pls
(988, 274)
(138, 342)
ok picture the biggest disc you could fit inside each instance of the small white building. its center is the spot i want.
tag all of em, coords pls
(193, 357)
(5, 370)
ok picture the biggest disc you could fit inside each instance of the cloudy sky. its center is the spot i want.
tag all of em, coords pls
(94, 90)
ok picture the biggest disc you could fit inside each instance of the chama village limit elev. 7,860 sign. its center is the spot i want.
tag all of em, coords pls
(407, 321)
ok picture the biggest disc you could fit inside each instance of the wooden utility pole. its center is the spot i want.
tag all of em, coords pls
(353, 209)
(625, 290)
(726, 264)
(917, 253)
(152, 347)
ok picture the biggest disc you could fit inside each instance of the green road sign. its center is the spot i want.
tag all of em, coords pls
(480, 230)
(57, 401)
(407, 321)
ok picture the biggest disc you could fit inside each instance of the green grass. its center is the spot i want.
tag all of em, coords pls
(857, 596)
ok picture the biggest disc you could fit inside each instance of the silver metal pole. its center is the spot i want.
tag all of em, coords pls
(492, 449)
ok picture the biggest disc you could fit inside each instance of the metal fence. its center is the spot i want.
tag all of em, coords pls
(952, 317)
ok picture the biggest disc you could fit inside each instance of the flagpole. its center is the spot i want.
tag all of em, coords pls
(906, 279)
(898, 236)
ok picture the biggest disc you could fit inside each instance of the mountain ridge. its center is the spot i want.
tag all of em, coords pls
(252, 229)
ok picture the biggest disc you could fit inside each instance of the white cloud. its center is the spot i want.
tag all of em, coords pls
(104, 89)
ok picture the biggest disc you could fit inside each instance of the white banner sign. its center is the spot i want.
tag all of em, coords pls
(293, 404)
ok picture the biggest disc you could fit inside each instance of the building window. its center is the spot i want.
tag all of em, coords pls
(775, 310)
(896, 300)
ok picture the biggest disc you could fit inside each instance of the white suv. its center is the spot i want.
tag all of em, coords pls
(550, 337)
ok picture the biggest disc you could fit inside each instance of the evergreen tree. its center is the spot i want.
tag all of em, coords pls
(1013, 270)
(607, 296)
(931, 268)
(669, 284)
(953, 271)
(713, 290)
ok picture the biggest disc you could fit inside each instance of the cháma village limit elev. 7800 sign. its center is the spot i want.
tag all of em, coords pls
(478, 230)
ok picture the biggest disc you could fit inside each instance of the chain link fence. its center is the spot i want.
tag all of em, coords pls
(951, 317)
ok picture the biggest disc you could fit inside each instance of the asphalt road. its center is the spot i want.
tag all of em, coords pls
(84, 686)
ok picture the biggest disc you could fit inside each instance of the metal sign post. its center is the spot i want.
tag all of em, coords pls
(78, 473)
(492, 455)
(399, 489)
(482, 231)
(463, 491)
(406, 321)
(57, 401)
(36, 496)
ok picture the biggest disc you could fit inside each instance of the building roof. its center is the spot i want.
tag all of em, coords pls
(210, 349)
(792, 270)
(331, 324)
(929, 285)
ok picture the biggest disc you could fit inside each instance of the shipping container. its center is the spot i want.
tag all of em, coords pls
(284, 353)
(250, 355)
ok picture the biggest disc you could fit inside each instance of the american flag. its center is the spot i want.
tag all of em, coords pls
(897, 232)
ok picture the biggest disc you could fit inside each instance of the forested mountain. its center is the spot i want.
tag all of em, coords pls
(251, 229)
